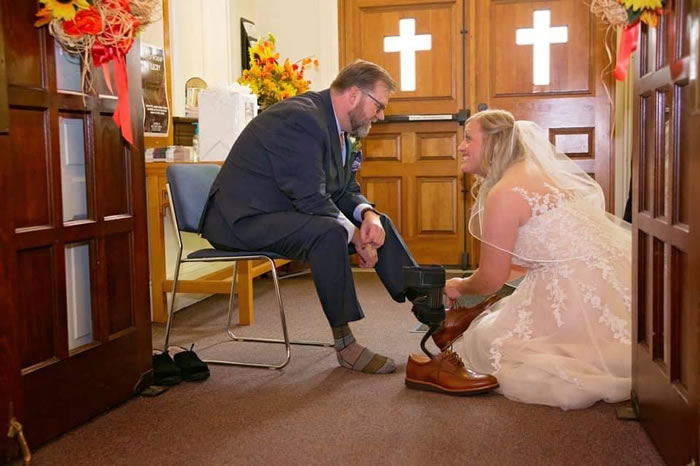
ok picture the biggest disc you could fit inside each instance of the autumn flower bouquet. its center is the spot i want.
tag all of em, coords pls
(100, 32)
(270, 80)
(628, 15)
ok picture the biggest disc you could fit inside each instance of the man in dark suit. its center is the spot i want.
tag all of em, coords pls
(289, 186)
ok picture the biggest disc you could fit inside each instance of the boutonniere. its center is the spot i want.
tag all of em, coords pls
(355, 152)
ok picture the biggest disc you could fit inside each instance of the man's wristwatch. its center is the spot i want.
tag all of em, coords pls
(367, 209)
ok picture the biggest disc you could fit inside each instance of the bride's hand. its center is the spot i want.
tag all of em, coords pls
(452, 290)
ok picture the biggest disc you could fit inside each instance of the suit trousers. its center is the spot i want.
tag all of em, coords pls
(323, 242)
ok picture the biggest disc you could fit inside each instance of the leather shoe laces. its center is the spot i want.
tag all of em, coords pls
(453, 358)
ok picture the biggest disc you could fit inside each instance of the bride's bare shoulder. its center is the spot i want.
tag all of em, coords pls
(517, 175)
(507, 191)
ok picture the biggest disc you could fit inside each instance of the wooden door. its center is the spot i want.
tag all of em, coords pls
(665, 298)
(553, 79)
(10, 393)
(73, 234)
(410, 166)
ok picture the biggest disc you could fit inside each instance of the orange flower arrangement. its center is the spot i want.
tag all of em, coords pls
(628, 15)
(270, 80)
(99, 31)
(624, 13)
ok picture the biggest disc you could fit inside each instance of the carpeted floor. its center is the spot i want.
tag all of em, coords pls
(314, 412)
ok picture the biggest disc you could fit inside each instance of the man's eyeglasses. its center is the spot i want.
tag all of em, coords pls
(380, 106)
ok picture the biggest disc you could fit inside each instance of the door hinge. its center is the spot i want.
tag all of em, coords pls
(16, 431)
(465, 260)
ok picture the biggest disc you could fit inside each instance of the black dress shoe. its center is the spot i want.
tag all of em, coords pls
(192, 368)
(165, 372)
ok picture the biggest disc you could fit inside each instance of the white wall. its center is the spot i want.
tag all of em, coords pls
(153, 33)
(303, 28)
(205, 38)
(200, 44)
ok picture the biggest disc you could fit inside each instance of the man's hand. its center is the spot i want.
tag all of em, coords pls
(367, 256)
(452, 291)
(371, 231)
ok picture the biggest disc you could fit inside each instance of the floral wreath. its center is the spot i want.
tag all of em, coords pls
(100, 31)
(628, 15)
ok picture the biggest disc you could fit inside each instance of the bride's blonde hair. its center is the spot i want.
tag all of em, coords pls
(500, 147)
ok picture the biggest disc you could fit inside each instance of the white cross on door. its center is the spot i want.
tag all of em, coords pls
(540, 36)
(407, 43)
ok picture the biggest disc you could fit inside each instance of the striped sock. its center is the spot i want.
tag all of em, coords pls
(358, 358)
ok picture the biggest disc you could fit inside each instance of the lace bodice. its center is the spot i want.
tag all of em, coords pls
(563, 228)
(563, 337)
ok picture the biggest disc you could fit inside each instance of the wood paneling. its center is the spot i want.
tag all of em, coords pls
(411, 171)
(577, 143)
(31, 169)
(642, 261)
(115, 167)
(682, 166)
(437, 206)
(11, 393)
(439, 71)
(511, 67)
(382, 147)
(666, 298)
(386, 191)
(62, 387)
(429, 206)
(20, 70)
(576, 96)
(119, 268)
(436, 146)
(37, 321)
(681, 323)
(183, 131)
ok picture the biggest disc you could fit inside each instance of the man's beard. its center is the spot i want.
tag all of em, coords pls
(360, 126)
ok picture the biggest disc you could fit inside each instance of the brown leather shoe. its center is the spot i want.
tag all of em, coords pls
(445, 373)
(457, 321)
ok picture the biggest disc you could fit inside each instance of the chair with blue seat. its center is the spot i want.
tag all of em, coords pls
(188, 189)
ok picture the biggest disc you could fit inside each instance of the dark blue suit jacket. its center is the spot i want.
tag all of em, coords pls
(286, 162)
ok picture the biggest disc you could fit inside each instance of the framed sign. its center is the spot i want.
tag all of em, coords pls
(156, 111)
(249, 37)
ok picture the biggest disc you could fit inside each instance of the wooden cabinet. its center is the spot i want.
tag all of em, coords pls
(214, 282)
(183, 130)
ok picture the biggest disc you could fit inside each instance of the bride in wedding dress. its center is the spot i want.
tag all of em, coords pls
(563, 337)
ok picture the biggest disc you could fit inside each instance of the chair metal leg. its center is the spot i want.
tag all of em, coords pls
(286, 341)
(275, 280)
(233, 295)
(171, 311)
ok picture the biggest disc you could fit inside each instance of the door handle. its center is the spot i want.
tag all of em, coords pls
(481, 107)
(17, 432)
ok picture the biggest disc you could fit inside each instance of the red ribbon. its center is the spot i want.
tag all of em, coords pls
(628, 44)
(122, 116)
(102, 55)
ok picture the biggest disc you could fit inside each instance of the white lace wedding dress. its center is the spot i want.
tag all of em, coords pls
(563, 337)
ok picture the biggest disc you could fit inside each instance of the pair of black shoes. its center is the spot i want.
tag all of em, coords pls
(185, 365)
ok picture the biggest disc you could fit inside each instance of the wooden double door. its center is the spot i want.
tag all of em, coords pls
(666, 283)
(455, 58)
(74, 307)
